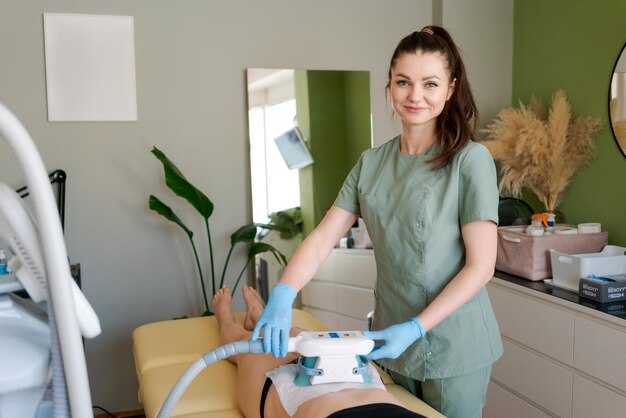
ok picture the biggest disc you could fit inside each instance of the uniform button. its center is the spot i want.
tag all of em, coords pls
(428, 354)
(416, 225)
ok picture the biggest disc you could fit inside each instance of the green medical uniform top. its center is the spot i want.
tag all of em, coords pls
(414, 217)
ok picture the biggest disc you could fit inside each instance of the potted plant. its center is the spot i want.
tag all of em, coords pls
(541, 150)
(176, 181)
(289, 221)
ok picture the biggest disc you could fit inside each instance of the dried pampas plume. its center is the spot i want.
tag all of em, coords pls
(540, 151)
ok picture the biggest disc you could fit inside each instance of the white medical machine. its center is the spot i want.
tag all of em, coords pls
(41, 336)
(329, 357)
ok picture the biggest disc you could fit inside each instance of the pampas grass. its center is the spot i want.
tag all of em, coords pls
(538, 150)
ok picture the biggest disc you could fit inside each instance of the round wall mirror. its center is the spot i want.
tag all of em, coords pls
(617, 101)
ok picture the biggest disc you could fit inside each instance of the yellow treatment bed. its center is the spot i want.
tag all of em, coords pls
(164, 350)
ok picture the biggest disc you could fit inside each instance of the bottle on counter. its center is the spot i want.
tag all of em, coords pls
(536, 228)
(551, 217)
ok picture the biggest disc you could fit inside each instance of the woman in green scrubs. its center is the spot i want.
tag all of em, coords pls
(429, 200)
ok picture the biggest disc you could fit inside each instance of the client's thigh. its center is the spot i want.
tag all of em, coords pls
(251, 369)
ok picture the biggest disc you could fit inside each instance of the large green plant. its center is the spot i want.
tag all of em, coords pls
(176, 181)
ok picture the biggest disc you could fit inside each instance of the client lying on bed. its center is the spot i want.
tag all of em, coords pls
(258, 397)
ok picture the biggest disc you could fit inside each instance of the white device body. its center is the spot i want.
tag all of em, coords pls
(19, 231)
(55, 264)
(336, 353)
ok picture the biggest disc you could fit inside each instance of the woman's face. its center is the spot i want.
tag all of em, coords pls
(419, 87)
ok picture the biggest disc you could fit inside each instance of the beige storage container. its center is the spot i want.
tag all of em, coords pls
(529, 257)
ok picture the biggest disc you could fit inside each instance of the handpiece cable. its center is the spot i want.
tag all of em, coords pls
(208, 358)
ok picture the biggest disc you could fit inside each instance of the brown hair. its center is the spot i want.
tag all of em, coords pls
(458, 121)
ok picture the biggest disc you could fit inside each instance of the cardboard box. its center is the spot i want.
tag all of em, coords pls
(603, 291)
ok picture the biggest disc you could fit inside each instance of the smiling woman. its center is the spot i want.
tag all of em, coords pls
(420, 86)
(432, 221)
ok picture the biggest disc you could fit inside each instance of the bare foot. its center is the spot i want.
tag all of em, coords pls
(255, 307)
(223, 306)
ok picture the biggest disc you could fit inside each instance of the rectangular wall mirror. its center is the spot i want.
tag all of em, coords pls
(332, 111)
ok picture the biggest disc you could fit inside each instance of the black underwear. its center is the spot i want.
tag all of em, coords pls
(266, 388)
(376, 410)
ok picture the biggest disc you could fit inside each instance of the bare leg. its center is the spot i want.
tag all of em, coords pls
(251, 368)
(255, 307)
(230, 331)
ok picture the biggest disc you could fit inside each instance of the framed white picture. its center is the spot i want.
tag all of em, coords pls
(90, 67)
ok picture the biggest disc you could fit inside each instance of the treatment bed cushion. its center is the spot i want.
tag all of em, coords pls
(164, 350)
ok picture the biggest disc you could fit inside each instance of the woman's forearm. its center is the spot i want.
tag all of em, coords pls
(481, 246)
(312, 252)
(461, 289)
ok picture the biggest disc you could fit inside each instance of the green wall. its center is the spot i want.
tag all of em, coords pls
(334, 114)
(358, 115)
(306, 174)
(573, 45)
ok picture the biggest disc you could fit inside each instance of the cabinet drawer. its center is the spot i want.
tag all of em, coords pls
(542, 381)
(347, 300)
(347, 323)
(357, 269)
(318, 294)
(593, 400)
(335, 321)
(330, 319)
(599, 351)
(502, 403)
(352, 267)
(354, 301)
(534, 324)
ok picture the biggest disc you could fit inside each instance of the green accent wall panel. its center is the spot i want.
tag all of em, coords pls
(333, 112)
(573, 45)
(328, 136)
(358, 115)
(306, 173)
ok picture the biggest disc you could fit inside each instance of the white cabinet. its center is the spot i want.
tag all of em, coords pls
(503, 403)
(560, 359)
(594, 400)
(342, 292)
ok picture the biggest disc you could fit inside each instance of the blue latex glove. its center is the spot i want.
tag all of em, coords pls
(397, 338)
(275, 321)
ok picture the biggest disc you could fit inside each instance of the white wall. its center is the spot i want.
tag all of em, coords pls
(191, 58)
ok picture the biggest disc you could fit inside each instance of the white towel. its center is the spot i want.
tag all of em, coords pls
(292, 396)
